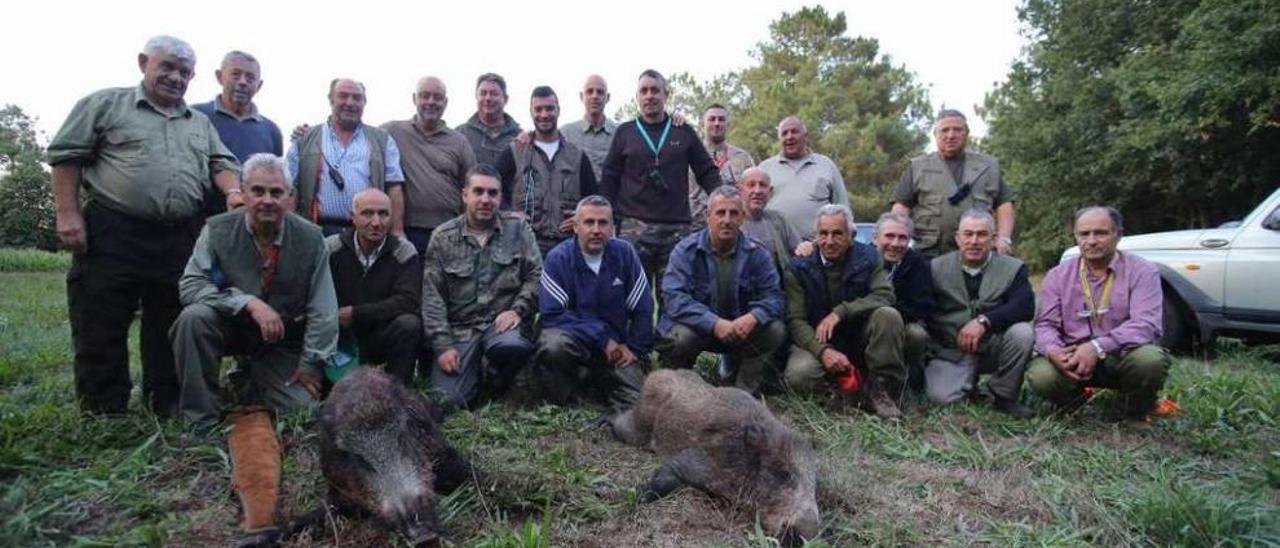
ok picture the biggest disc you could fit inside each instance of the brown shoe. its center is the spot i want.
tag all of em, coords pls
(881, 403)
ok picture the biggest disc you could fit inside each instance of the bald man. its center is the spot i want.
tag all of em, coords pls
(378, 278)
(435, 160)
(593, 133)
(803, 180)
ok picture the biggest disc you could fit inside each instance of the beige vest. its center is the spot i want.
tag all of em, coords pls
(935, 218)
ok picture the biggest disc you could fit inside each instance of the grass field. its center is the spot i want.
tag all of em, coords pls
(956, 476)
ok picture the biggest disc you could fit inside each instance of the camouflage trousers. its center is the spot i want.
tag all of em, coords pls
(653, 242)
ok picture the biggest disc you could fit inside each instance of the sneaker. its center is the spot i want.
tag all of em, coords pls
(1012, 408)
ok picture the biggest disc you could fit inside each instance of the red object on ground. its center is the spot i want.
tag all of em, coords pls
(850, 381)
(1167, 408)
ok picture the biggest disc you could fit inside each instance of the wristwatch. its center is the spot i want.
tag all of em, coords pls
(1097, 349)
(982, 319)
(1007, 240)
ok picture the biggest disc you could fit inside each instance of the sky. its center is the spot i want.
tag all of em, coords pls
(959, 50)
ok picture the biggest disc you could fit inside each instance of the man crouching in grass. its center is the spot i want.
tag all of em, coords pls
(1100, 316)
(257, 285)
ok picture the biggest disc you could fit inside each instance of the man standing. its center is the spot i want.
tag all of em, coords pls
(594, 132)
(722, 294)
(378, 280)
(1100, 318)
(731, 160)
(597, 314)
(646, 176)
(912, 281)
(982, 321)
(479, 294)
(257, 285)
(490, 130)
(768, 227)
(840, 309)
(332, 162)
(435, 160)
(937, 187)
(803, 180)
(145, 161)
(240, 126)
(543, 180)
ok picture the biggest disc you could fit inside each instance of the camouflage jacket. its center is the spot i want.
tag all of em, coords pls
(466, 285)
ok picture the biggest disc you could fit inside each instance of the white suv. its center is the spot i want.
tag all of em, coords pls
(1223, 280)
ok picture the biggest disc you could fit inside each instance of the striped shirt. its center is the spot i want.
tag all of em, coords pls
(352, 164)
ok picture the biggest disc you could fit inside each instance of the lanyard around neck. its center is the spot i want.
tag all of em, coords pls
(1096, 310)
(662, 140)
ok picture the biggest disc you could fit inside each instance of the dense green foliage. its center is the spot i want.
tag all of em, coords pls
(864, 112)
(1168, 110)
(26, 201)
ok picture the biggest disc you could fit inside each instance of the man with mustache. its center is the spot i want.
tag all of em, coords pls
(1099, 323)
(596, 315)
(543, 178)
(257, 285)
(722, 294)
(490, 130)
(646, 176)
(435, 160)
(937, 187)
(803, 180)
(332, 162)
(241, 127)
(479, 295)
(731, 160)
(144, 161)
(594, 132)
(378, 280)
(982, 321)
(912, 281)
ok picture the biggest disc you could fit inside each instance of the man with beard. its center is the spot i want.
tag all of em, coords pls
(803, 180)
(982, 321)
(596, 314)
(543, 180)
(332, 162)
(937, 187)
(240, 126)
(479, 295)
(594, 132)
(646, 176)
(722, 294)
(257, 285)
(490, 130)
(435, 160)
(731, 160)
(144, 161)
(912, 281)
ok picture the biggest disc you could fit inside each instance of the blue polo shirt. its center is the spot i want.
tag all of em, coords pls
(245, 137)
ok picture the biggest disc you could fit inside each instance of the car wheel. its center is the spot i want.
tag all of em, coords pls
(1177, 325)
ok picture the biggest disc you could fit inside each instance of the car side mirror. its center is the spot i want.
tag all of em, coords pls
(1273, 221)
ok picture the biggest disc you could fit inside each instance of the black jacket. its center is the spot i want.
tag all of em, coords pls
(913, 287)
(624, 179)
(393, 286)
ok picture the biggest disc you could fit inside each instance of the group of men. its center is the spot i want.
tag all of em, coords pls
(466, 254)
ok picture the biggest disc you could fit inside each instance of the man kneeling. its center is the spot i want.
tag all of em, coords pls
(596, 314)
(257, 285)
(1100, 316)
(840, 305)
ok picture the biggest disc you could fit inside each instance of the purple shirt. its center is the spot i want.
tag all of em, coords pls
(1134, 313)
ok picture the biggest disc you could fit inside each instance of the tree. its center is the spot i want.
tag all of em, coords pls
(1169, 111)
(26, 199)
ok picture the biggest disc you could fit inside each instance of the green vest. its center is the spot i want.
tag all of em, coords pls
(236, 255)
(557, 189)
(955, 308)
(935, 218)
(310, 164)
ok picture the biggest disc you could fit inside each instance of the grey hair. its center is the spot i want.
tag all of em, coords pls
(265, 161)
(1117, 219)
(594, 200)
(725, 191)
(982, 215)
(950, 113)
(168, 44)
(831, 210)
(891, 217)
(236, 54)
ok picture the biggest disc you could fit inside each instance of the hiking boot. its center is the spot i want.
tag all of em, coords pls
(881, 403)
(1012, 407)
